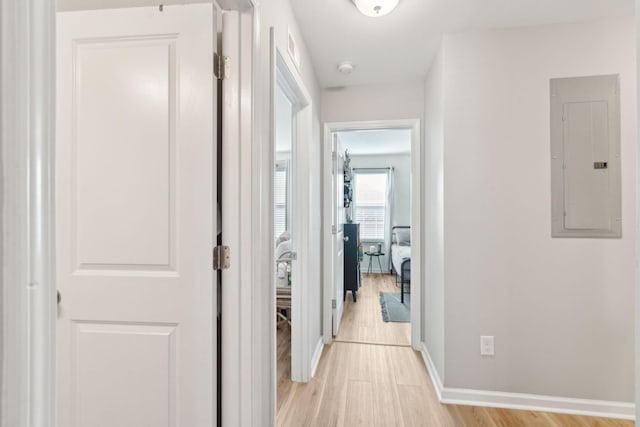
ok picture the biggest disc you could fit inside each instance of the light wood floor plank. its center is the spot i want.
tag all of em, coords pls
(283, 357)
(413, 411)
(333, 402)
(362, 320)
(360, 409)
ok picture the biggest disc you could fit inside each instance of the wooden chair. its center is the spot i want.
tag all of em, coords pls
(283, 293)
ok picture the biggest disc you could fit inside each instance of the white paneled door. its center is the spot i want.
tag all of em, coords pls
(135, 217)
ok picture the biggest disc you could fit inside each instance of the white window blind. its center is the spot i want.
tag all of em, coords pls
(370, 204)
(280, 196)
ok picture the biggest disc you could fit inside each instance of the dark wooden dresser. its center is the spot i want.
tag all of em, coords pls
(352, 277)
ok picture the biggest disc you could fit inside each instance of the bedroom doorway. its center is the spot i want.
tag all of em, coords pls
(372, 203)
(286, 271)
(291, 129)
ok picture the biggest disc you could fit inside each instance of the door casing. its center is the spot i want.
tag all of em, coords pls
(337, 252)
(283, 75)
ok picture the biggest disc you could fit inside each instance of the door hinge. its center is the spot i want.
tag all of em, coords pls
(334, 229)
(333, 303)
(221, 66)
(334, 155)
(221, 257)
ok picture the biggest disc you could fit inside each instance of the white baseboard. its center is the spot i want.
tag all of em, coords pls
(530, 402)
(433, 372)
(315, 360)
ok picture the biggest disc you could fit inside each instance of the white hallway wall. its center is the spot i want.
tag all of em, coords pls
(433, 208)
(561, 310)
(364, 103)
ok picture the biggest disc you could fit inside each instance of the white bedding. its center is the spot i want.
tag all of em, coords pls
(399, 254)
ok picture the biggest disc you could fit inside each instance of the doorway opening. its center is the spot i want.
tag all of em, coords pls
(286, 273)
(374, 213)
(290, 132)
(372, 233)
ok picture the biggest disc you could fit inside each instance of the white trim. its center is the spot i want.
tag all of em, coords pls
(268, 242)
(533, 402)
(243, 374)
(523, 401)
(416, 219)
(263, 301)
(327, 235)
(27, 91)
(232, 332)
(417, 175)
(433, 372)
(637, 218)
(315, 360)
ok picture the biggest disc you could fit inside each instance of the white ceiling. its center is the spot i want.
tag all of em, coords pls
(401, 45)
(376, 142)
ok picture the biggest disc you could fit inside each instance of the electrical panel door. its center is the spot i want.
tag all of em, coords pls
(585, 157)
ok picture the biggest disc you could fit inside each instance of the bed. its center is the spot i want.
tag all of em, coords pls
(401, 256)
(283, 255)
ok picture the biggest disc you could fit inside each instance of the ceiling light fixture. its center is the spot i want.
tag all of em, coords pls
(375, 8)
(346, 68)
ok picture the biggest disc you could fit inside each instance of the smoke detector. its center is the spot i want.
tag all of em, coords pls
(345, 68)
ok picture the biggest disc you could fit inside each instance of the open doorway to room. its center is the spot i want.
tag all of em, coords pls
(282, 228)
(372, 197)
(290, 130)
(375, 222)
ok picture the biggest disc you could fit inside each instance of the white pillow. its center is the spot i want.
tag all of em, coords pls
(282, 248)
(283, 237)
(403, 236)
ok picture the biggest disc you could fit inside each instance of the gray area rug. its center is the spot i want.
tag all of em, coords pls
(393, 310)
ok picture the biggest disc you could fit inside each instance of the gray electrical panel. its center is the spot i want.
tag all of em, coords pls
(585, 157)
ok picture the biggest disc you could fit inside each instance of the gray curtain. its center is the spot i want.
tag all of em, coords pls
(389, 213)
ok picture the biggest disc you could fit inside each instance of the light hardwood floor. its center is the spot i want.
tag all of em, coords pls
(362, 320)
(387, 385)
(283, 364)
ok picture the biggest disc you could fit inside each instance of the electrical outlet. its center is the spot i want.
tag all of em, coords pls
(486, 346)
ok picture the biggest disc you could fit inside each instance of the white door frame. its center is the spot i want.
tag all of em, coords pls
(27, 111)
(28, 278)
(285, 75)
(637, 276)
(416, 219)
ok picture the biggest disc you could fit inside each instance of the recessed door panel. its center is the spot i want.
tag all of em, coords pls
(125, 374)
(124, 152)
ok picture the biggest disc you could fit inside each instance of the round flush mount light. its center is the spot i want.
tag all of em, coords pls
(345, 68)
(375, 8)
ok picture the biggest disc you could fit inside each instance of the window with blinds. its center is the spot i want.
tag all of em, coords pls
(280, 196)
(370, 204)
